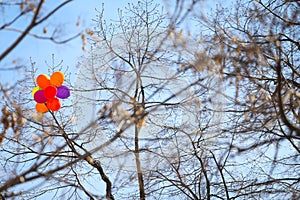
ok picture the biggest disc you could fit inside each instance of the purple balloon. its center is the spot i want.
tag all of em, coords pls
(63, 92)
(39, 96)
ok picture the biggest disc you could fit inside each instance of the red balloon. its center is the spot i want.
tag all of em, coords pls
(39, 96)
(50, 92)
(53, 104)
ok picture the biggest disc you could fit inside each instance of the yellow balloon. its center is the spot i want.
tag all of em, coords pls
(37, 88)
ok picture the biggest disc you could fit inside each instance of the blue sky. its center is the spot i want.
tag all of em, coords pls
(42, 50)
(65, 19)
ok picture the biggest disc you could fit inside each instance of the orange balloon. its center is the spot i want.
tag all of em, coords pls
(41, 107)
(43, 81)
(57, 79)
(53, 104)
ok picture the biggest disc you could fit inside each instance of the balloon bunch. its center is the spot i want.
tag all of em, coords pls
(48, 91)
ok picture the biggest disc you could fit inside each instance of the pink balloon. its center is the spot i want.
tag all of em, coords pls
(39, 96)
(63, 92)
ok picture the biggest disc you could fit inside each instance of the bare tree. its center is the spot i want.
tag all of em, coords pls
(254, 46)
(159, 112)
(27, 151)
(32, 12)
(142, 70)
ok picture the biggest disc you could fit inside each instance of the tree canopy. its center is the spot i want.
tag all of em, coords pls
(171, 101)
